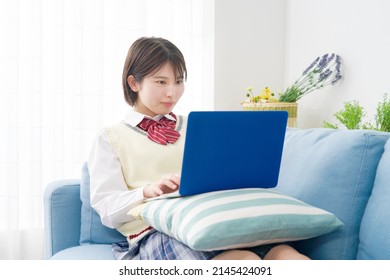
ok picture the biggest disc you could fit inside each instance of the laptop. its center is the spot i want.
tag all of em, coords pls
(230, 150)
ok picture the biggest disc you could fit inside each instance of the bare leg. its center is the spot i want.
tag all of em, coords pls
(284, 252)
(237, 255)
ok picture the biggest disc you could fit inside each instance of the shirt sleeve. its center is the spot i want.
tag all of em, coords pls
(110, 196)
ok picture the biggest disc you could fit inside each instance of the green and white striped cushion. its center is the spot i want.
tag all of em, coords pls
(236, 218)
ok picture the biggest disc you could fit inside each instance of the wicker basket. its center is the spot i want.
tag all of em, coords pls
(290, 107)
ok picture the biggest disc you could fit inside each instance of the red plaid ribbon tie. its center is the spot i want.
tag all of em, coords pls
(162, 131)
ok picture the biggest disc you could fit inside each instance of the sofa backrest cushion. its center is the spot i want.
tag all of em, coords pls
(375, 228)
(333, 170)
(92, 231)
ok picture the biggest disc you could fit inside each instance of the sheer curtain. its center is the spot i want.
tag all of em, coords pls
(60, 82)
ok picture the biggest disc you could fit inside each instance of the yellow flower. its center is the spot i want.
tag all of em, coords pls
(249, 92)
(266, 92)
(265, 96)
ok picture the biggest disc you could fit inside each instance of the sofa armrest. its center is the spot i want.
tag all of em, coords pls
(62, 216)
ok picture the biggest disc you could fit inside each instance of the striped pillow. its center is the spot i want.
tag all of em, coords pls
(236, 218)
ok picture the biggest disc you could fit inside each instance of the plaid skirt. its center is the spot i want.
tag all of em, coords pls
(158, 246)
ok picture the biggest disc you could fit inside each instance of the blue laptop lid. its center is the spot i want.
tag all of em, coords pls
(232, 149)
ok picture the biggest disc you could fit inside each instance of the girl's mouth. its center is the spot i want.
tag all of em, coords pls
(168, 104)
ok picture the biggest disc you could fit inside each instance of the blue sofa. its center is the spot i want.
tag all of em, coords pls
(345, 172)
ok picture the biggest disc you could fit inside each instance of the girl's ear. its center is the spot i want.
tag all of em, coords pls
(133, 84)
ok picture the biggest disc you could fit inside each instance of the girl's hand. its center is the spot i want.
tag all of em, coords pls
(166, 184)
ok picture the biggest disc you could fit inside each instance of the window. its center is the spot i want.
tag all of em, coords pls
(60, 81)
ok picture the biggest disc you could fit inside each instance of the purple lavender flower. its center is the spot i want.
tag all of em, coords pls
(324, 61)
(324, 75)
(320, 73)
(311, 66)
(336, 79)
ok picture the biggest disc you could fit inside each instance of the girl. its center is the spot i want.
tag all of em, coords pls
(141, 157)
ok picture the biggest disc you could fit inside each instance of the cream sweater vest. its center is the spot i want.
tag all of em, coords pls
(144, 161)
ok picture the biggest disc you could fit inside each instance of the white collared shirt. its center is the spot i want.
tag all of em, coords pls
(110, 196)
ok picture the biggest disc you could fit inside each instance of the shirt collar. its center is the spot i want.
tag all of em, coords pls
(133, 118)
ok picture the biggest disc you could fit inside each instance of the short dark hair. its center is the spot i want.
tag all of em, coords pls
(146, 56)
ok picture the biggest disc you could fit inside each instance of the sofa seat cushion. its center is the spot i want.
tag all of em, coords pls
(85, 252)
(334, 170)
(375, 228)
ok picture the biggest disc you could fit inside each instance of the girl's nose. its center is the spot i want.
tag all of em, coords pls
(171, 91)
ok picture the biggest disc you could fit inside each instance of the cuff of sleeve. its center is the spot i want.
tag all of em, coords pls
(139, 195)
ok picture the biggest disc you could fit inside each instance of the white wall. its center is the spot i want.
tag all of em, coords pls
(286, 36)
(249, 48)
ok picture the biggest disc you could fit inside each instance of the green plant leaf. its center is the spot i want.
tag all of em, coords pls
(382, 118)
(351, 116)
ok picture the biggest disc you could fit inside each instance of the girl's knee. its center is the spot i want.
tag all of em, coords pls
(284, 252)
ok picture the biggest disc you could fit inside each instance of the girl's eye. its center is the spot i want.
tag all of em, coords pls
(161, 82)
(179, 82)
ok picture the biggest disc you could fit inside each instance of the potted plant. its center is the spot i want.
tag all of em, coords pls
(352, 115)
(323, 71)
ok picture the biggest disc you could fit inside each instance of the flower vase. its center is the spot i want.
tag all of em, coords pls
(290, 107)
